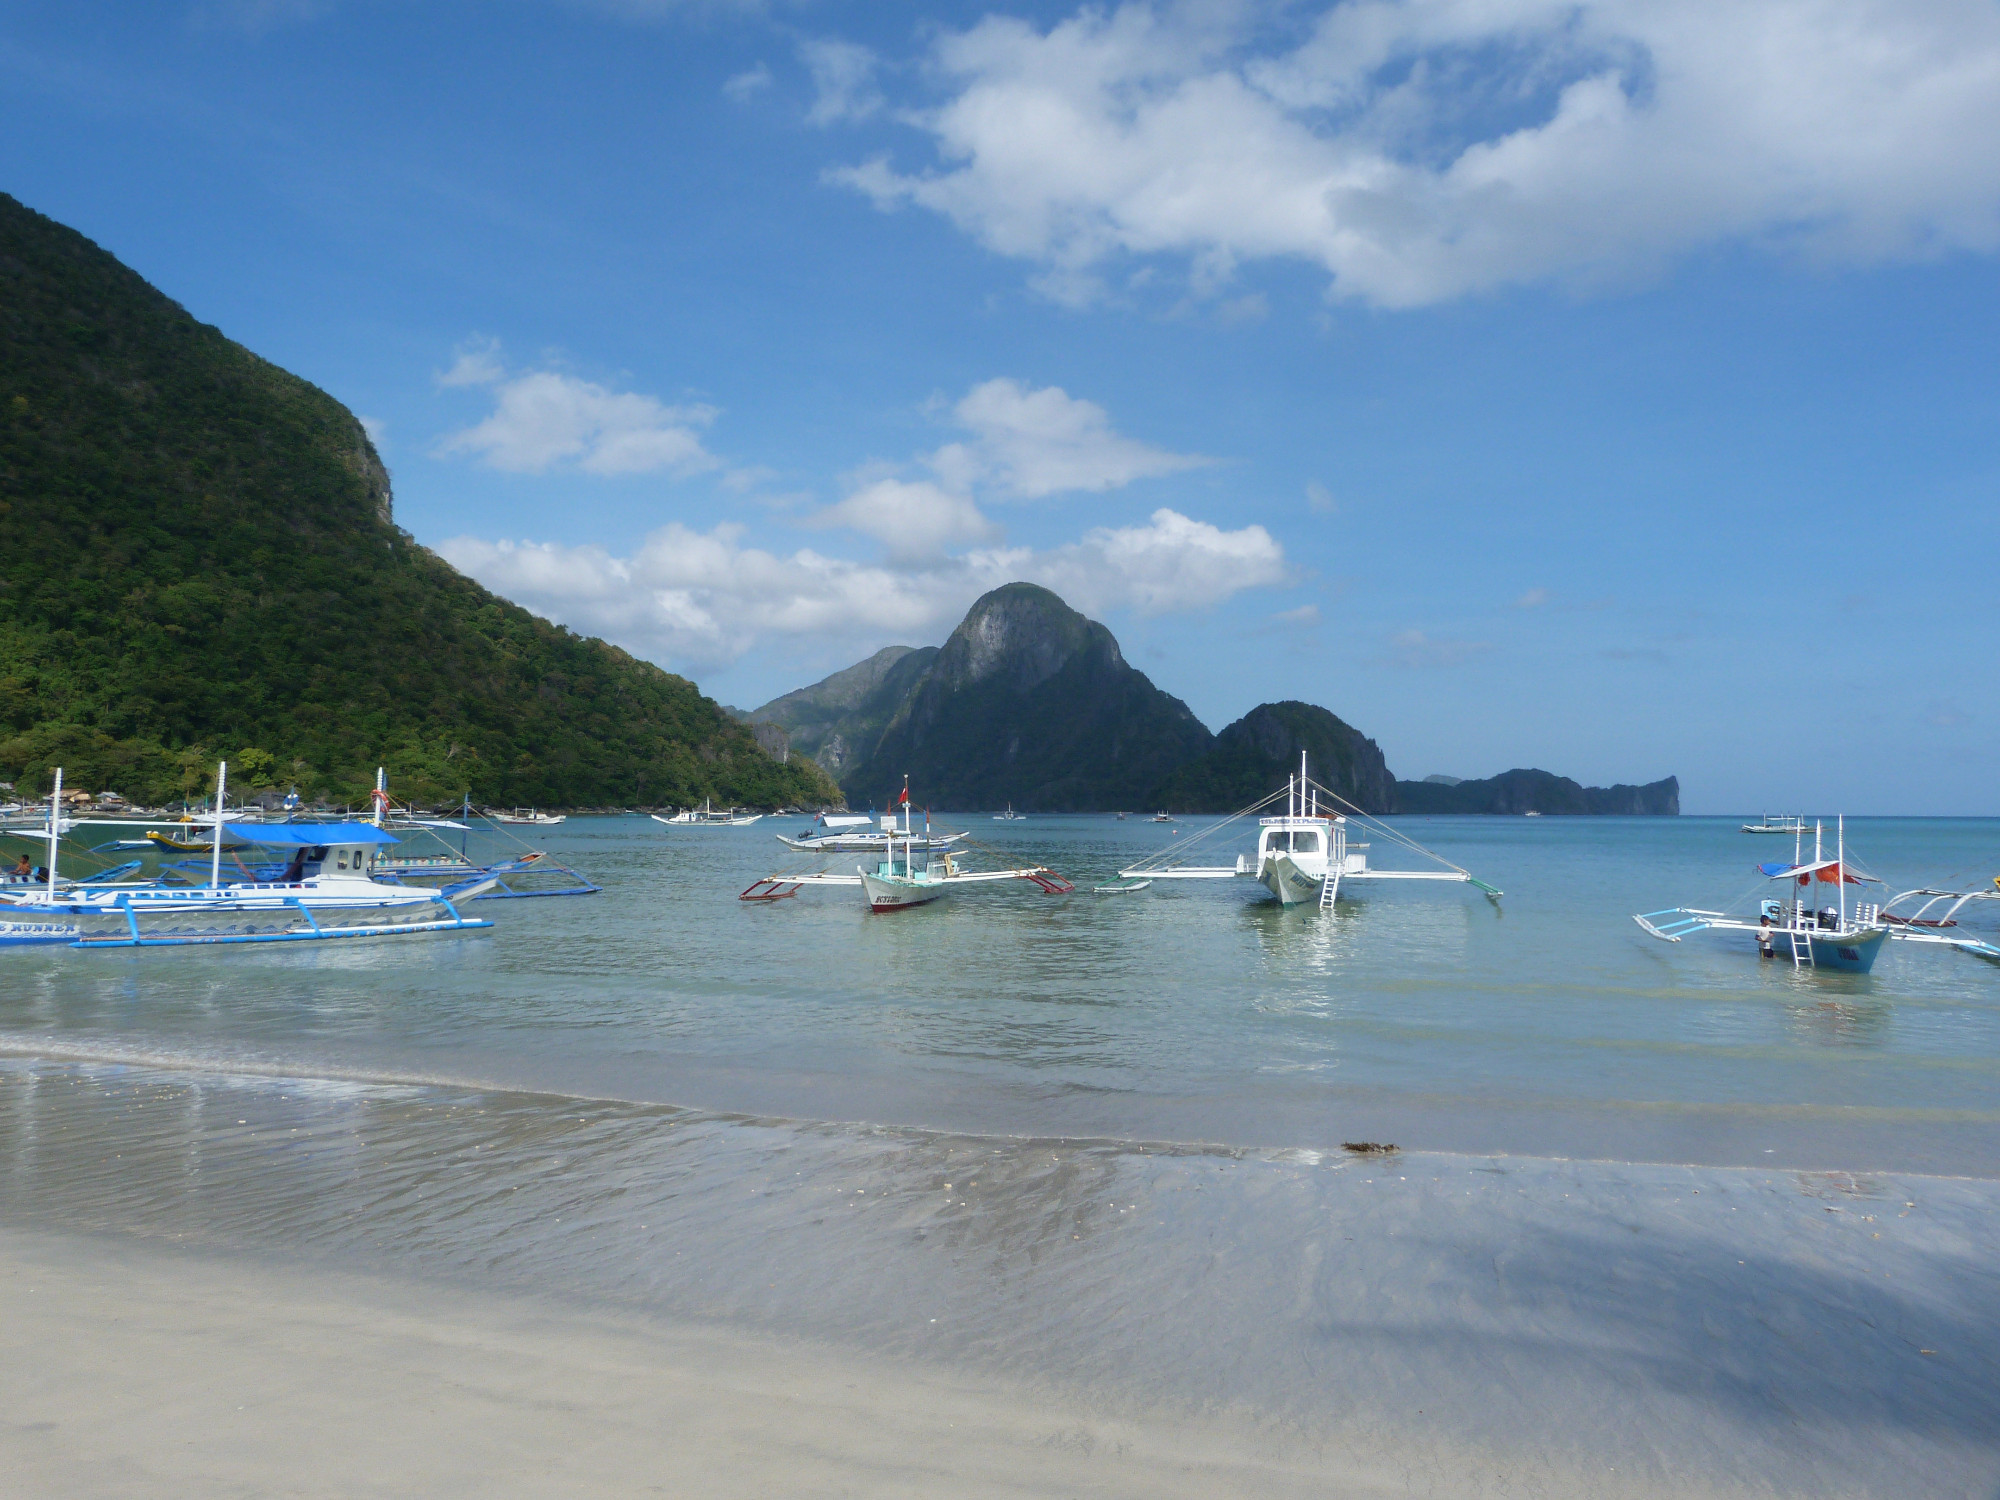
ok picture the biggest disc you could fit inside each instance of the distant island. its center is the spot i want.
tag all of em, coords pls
(199, 559)
(1029, 703)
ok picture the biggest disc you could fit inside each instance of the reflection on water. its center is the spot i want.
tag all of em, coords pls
(1193, 1010)
(1835, 1023)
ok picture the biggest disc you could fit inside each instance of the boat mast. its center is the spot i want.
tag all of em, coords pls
(55, 810)
(221, 790)
(381, 793)
(1840, 869)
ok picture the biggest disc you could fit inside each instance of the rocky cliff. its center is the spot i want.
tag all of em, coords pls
(1253, 756)
(1028, 702)
(844, 715)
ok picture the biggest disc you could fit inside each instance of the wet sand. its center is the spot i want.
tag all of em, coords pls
(129, 1368)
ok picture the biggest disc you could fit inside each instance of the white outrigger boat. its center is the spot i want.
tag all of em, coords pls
(328, 871)
(1795, 826)
(532, 818)
(1811, 935)
(1304, 854)
(921, 874)
(728, 818)
(855, 833)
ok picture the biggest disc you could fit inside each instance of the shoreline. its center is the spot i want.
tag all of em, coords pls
(1811, 1137)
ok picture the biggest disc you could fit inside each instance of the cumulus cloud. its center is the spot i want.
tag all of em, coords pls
(545, 419)
(1420, 150)
(703, 599)
(913, 520)
(1532, 599)
(1030, 443)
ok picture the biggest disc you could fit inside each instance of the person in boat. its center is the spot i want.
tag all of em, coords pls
(1764, 935)
(296, 870)
(23, 871)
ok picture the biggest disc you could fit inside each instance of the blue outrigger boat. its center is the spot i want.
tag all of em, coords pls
(1811, 934)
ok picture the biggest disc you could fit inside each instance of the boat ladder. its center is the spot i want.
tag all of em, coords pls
(1329, 888)
(1802, 954)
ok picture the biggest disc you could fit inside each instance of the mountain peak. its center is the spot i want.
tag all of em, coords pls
(1025, 633)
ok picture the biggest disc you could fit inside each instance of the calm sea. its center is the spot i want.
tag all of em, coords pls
(617, 1094)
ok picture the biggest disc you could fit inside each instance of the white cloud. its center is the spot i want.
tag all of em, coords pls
(702, 599)
(544, 419)
(1320, 501)
(750, 82)
(1031, 443)
(913, 520)
(1304, 615)
(1420, 150)
(1533, 599)
(476, 363)
(843, 77)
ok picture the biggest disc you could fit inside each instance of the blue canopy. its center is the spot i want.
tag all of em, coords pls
(309, 835)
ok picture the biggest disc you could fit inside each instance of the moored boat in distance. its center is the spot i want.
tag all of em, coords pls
(531, 818)
(1795, 826)
(913, 871)
(731, 817)
(1009, 816)
(855, 833)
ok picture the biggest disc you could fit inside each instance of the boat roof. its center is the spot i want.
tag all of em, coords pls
(310, 835)
(845, 820)
(1827, 870)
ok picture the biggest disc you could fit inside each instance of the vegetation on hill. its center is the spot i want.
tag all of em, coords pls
(842, 716)
(1028, 702)
(1252, 757)
(198, 560)
(1525, 791)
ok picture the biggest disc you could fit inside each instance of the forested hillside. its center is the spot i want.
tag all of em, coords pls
(198, 558)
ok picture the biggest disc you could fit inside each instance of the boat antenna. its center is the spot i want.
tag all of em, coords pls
(55, 809)
(215, 840)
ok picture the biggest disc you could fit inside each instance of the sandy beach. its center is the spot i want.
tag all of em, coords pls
(131, 1368)
(1450, 1326)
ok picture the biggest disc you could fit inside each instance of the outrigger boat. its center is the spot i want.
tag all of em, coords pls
(1304, 854)
(1009, 816)
(328, 871)
(456, 866)
(1794, 826)
(1935, 922)
(730, 817)
(531, 818)
(1811, 935)
(893, 884)
(854, 833)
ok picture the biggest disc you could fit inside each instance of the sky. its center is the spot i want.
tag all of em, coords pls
(1611, 386)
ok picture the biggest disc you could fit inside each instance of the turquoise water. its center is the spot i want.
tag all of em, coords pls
(1427, 1015)
(1659, 1209)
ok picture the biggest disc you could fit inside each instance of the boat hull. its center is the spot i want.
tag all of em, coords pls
(315, 895)
(1284, 878)
(1842, 952)
(896, 892)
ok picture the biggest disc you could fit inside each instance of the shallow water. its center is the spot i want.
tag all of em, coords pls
(1093, 1142)
(1427, 1015)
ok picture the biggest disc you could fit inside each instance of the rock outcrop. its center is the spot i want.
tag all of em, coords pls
(1526, 791)
(1031, 703)
(1253, 756)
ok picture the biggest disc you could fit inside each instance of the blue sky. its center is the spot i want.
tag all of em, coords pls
(1605, 387)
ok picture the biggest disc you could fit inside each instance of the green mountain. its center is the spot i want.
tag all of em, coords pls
(198, 559)
(1028, 702)
(1524, 791)
(846, 713)
(1253, 756)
